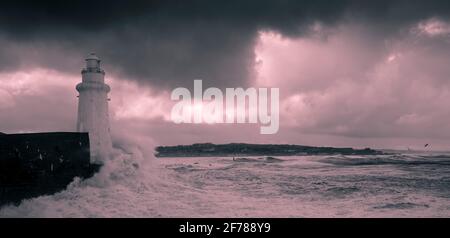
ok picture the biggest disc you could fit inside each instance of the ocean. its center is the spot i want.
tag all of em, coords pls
(133, 185)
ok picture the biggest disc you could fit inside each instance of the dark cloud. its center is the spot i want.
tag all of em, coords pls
(172, 42)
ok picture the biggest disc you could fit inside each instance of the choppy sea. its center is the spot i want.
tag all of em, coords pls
(133, 185)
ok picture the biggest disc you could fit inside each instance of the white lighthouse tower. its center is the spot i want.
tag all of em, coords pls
(93, 116)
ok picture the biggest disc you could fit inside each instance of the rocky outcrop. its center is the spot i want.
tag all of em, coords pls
(241, 149)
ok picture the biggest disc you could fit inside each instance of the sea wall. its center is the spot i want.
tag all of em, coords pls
(42, 163)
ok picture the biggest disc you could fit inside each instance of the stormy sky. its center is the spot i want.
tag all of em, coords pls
(350, 73)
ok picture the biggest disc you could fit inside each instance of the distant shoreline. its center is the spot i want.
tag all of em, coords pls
(243, 149)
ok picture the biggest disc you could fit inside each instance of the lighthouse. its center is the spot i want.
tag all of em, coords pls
(93, 116)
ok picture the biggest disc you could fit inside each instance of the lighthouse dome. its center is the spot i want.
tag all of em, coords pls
(92, 61)
(92, 56)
